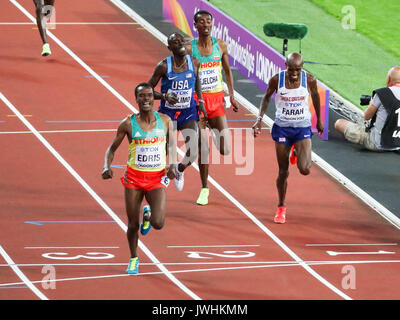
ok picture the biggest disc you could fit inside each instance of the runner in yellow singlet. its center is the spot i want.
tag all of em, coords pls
(213, 56)
(148, 134)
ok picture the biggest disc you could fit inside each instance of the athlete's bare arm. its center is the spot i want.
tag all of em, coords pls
(171, 144)
(312, 85)
(272, 87)
(122, 131)
(228, 73)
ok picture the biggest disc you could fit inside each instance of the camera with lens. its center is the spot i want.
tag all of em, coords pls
(365, 99)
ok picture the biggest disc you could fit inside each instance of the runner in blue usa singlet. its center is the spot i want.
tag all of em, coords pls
(179, 81)
(181, 84)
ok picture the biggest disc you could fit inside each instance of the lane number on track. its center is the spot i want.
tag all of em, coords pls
(225, 254)
(87, 255)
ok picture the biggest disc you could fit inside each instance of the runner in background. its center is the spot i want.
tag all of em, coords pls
(179, 83)
(292, 124)
(44, 10)
(213, 56)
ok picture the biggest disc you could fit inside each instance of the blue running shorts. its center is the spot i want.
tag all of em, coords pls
(290, 135)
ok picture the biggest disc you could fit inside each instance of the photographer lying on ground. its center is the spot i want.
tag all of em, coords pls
(383, 133)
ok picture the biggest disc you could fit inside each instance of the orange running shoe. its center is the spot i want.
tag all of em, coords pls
(293, 156)
(280, 216)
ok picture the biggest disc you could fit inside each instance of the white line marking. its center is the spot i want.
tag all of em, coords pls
(335, 253)
(217, 246)
(276, 265)
(21, 275)
(326, 262)
(30, 248)
(349, 244)
(95, 196)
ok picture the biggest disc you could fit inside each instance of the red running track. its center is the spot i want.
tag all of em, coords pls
(56, 210)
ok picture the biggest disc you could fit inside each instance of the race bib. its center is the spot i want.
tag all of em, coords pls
(149, 157)
(165, 181)
(209, 79)
(184, 99)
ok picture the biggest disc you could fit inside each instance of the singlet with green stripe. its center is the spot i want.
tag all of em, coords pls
(210, 71)
(147, 149)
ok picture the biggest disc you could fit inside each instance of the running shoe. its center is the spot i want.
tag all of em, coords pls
(145, 226)
(280, 216)
(179, 179)
(133, 266)
(293, 156)
(203, 197)
(46, 50)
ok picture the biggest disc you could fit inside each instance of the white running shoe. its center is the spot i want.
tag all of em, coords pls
(179, 179)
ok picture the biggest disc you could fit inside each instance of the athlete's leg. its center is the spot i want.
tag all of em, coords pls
(282, 156)
(190, 132)
(222, 134)
(157, 201)
(39, 4)
(303, 151)
(340, 125)
(133, 200)
(203, 154)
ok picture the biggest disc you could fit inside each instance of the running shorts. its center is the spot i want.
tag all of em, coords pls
(180, 116)
(290, 135)
(214, 103)
(142, 180)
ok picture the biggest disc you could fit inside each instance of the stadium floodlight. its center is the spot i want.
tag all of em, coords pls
(285, 31)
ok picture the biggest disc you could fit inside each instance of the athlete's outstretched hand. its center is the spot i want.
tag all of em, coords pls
(234, 104)
(171, 98)
(107, 173)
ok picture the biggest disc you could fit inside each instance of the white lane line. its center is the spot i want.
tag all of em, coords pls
(325, 262)
(348, 244)
(162, 37)
(336, 253)
(75, 174)
(21, 275)
(217, 246)
(95, 196)
(268, 265)
(41, 248)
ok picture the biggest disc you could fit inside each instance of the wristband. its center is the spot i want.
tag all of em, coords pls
(259, 118)
(201, 100)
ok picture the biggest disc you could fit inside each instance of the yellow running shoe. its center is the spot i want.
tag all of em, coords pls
(133, 266)
(203, 197)
(46, 50)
